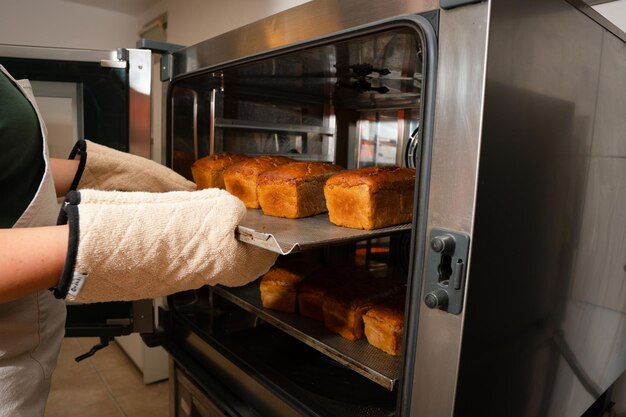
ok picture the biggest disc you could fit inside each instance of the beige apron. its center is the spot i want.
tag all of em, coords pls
(31, 328)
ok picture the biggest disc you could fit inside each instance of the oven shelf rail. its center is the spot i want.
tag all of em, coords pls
(361, 357)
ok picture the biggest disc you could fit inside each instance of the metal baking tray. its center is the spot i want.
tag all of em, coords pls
(359, 355)
(286, 236)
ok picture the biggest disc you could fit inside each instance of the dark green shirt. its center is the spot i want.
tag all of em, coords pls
(21, 153)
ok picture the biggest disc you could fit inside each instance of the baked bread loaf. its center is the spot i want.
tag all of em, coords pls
(370, 198)
(294, 190)
(313, 289)
(208, 172)
(279, 286)
(345, 306)
(384, 324)
(241, 178)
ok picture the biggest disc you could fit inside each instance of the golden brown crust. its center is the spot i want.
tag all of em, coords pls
(389, 311)
(370, 198)
(208, 172)
(294, 190)
(345, 306)
(258, 165)
(299, 172)
(384, 325)
(312, 290)
(240, 179)
(279, 286)
(375, 178)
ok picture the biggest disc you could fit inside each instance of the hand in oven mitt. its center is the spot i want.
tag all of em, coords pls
(135, 245)
(103, 168)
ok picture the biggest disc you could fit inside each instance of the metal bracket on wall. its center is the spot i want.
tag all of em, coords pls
(446, 268)
(449, 4)
(166, 50)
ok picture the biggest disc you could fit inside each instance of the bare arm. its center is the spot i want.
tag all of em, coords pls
(31, 259)
(63, 173)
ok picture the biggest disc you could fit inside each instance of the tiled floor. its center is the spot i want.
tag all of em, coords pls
(108, 384)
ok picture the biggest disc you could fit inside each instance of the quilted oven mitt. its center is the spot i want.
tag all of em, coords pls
(103, 168)
(136, 245)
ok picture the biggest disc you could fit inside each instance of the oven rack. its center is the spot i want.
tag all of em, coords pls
(360, 356)
(285, 236)
(273, 127)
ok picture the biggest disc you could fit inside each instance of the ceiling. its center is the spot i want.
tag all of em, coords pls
(132, 7)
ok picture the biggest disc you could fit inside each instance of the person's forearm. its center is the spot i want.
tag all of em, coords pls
(63, 173)
(31, 259)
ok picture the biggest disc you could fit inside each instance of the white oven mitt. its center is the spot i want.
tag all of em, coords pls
(135, 245)
(103, 168)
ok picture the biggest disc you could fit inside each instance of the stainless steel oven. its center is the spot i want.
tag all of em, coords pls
(512, 114)
(504, 110)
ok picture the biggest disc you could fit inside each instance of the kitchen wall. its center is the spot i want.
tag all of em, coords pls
(66, 24)
(106, 24)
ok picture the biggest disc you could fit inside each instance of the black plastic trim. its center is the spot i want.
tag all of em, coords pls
(80, 148)
(69, 215)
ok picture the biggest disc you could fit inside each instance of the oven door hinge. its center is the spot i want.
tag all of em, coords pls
(450, 4)
(165, 50)
(446, 268)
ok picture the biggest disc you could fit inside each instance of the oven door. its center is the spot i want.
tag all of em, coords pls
(101, 96)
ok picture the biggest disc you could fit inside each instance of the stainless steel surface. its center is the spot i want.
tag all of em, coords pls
(286, 236)
(359, 356)
(140, 85)
(457, 129)
(305, 22)
(527, 159)
(610, 121)
(543, 330)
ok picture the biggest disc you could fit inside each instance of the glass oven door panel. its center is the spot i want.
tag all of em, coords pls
(354, 102)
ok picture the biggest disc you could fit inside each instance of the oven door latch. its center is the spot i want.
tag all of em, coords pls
(446, 269)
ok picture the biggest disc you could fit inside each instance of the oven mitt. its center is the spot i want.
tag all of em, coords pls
(135, 245)
(103, 168)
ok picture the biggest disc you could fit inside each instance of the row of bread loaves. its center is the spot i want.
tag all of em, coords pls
(365, 198)
(348, 299)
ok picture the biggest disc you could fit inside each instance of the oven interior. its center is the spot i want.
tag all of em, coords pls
(353, 100)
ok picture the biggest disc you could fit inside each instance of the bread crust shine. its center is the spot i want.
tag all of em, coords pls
(241, 179)
(279, 286)
(345, 306)
(370, 198)
(208, 172)
(384, 325)
(294, 190)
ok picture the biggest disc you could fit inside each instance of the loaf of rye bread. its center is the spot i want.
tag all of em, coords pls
(370, 198)
(208, 172)
(313, 289)
(294, 190)
(279, 286)
(241, 178)
(344, 306)
(384, 324)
